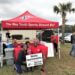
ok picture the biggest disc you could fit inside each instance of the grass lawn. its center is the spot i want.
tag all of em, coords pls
(54, 66)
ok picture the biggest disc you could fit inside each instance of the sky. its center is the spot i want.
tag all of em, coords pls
(42, 8)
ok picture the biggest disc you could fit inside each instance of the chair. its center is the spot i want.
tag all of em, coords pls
(1, 60)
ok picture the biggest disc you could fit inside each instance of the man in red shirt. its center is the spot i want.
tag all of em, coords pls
(35, 47)
(38, 48)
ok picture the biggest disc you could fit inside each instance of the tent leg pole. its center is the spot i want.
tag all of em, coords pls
(1, 54)
(1, 41)
(58, 44)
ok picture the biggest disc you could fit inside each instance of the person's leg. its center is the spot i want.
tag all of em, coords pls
(44, 65)
(72, 52)
(43, 69)
(18, 68)
(3, 52)
(56, 47)
(43, 73)
(24, 67)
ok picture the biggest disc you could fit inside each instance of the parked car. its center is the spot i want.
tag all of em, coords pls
(68, 38)
(65, 34)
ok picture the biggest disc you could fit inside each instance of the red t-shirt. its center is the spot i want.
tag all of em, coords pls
(35, 49)
(44, 50)
(54, 38)
(16, 52)
(39, 49)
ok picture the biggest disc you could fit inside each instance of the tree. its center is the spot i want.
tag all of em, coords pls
(63, 9)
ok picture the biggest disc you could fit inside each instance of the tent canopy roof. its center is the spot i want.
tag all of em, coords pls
(28, 21)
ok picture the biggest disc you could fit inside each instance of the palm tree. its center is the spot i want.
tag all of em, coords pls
(63, 9)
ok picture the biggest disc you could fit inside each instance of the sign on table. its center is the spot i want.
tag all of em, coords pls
(34, 60)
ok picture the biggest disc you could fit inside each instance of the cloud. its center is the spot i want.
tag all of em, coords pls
(6, 12)
(8, 1)
(41, 8)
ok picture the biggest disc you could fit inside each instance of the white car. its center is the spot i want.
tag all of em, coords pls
(68, 38)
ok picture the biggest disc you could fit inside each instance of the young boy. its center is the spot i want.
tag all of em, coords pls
(21, 60)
